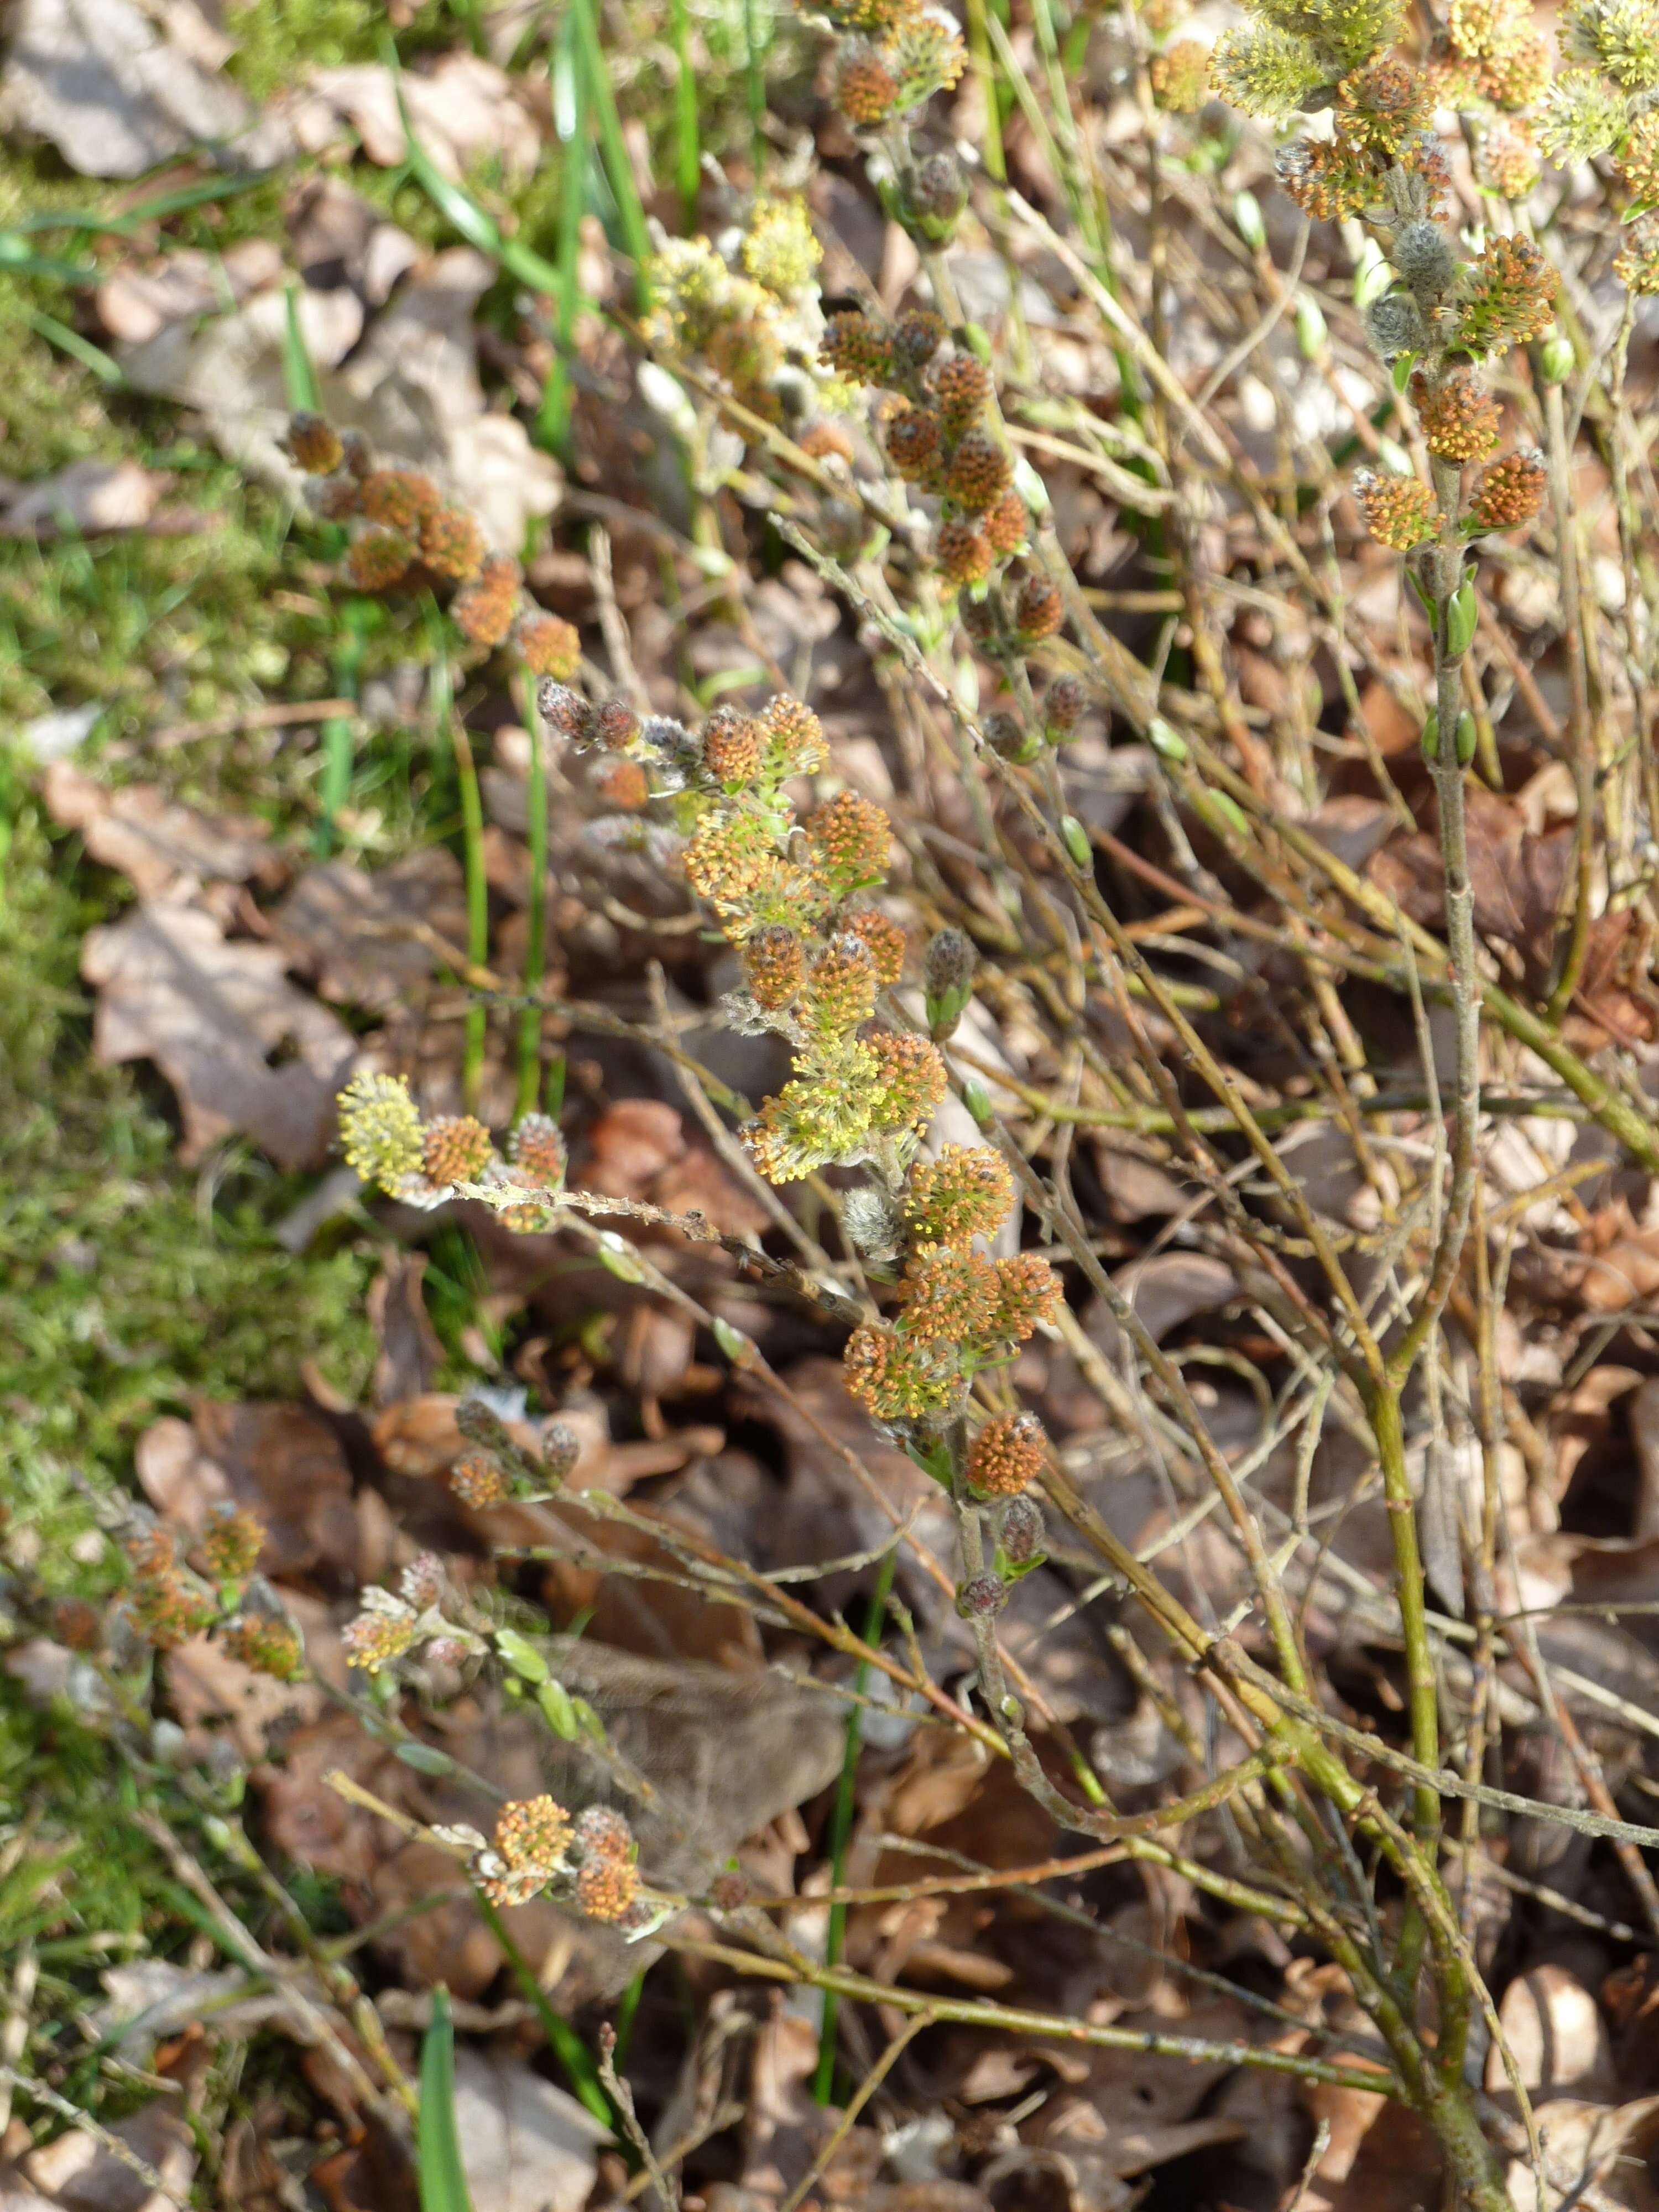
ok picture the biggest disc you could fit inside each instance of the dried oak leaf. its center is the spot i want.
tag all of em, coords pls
(351, 932)
(85, 498)
(527, 2146)
(1517, 879)
(279, 1461)
(116, 87)
(245, 1050)
(163, 848)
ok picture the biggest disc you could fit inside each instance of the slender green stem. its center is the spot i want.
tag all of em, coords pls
(580, 2069)
(841, 1829)
(449, 724)
(535, 942)
(688, 149)
(618, 168)
(572, 117)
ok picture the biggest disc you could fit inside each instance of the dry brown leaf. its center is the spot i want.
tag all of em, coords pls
(525, 2145)
(163, 848)
(338, 237)
(213, 1016)
(281, 1461)
(117, 87)
(1556, 2036)
(136, 303)
(85, 498)
(410, 1353)
(1517, 879)
(349, 931)
(78, 2174)
(466, 108)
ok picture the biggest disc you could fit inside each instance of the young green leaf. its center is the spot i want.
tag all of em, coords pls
(437, 2139)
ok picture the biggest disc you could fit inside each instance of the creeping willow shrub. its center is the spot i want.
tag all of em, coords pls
(820, 963)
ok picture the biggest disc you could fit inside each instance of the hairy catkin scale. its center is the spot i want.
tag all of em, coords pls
(884, 941)
(607, 1888)
(1024, 1534)
(773, 965)
(1637, 158)
(1006, 1456)
(622, 783)
(840, 989)
(616, 725)
(1509, 295)
(961, 387)
(1030, 1293)
(966, 1191)
(865, 88)
(912, 1079)
(1508, 159)
(1637, 267)
(537, 1148)
(912, 439)
(1394, 324)
(1399, 511)
(561, 1449)
(484, 610)
(456, 1148)
(314, 444)
(533, 1832)
(400, 499)
(732, 743)
(962, 550)
(937, 190)
(1267, 71)
(851, 836)
(549, 645)
(566, 713)
(604, 1831)
(266, 1643)
(795, 743)
(1064, 705)
(1422, 253)
(896, 1378)
(377, 559)
(981, 1598)
(232, 1542)
(1326, 181)
(858, 349)
(374, 1640)
(1006, 526)
(1179, 76)
(1510, 492)
(917, 336)
(1460, 419)
(948, 1296)
(980, 471)
(1039, 611)
(451, 544)
(948, 963)
(167, 1609)
(1378, 108)
(380, 1129)
(477, 1481)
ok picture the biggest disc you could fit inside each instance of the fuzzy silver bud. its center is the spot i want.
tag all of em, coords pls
(947, 981)
(1024, 1534)
(1423, 255)
(870, 1221)
(982, 1598)
(1394, 324)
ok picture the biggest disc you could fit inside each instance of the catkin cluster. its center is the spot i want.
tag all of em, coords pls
(422, 1161)
(168, 1601)
(406, 535)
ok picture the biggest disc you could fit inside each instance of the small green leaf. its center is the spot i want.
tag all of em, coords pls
(1465, 738)
(521, 1656)
(1312, 336)
(617, 1256)
(1077, 841)
(977, 1099)
(1247, 215)
(1402, 371)
(1461, 616)
(1430, 739)
(437, 2139)
(558, 1711)
(739, 1348)
(1169, 744)
(424, 1758)
(1232, 814)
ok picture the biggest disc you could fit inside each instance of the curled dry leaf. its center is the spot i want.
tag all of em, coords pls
(280, 1462)
(118, 88)
(465, 108)
(350, 932)
(163, 848)
(527, 2146)
(1556, 2036)
(85, 498)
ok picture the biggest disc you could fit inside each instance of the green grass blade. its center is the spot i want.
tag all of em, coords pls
(437, 2140)
(755, 45)
(150, 211)
(688, 143)
(77, 348)
(580, 2068)
(299, 377)
(449, 726)
(572, 120)
(840, 1830)
(534, 938)
(618, 169)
